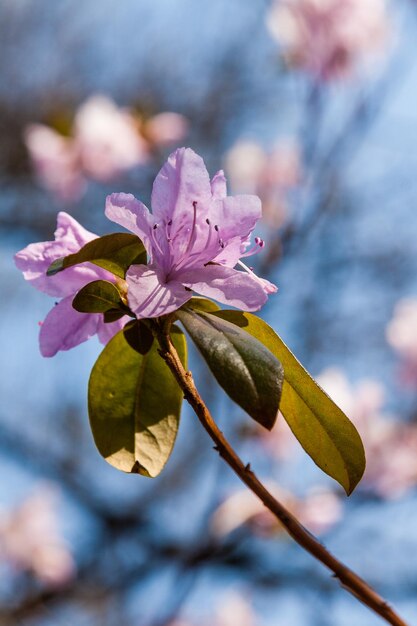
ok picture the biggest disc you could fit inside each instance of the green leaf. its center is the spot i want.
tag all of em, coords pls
(112, 315)
(114, 252)
(139, 336)
(323, 430)
(134, 405)
(98, 296)
(248, 372)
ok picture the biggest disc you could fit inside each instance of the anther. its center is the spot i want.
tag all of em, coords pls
(216, 228)
(208, 221)
(155, 226)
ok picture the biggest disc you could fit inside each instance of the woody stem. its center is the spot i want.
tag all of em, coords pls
(348, 579)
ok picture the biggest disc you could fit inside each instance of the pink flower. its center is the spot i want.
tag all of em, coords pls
(166, 128)
(270, 175)
(30, 539)
(390, 444)
(329, 38)
(401, 335)
(319, 510)
(56, 162)
(105, 142)
(64, 327)
(194, 238)
(107, 139)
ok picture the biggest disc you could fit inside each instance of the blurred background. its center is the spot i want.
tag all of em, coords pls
(311, 105)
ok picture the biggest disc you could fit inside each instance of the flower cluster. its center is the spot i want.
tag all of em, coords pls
(64, 327)
(329, 38)
(105, 141)
(194, 238)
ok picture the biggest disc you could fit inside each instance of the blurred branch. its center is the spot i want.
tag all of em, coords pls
(323, 176)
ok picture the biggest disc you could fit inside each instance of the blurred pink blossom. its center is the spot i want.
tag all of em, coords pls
(390, 445)
(55, 160)
(105, 142)
(270, 175)
(401, 334)
(30, 539)
(319, 511)
(232, 610)
(278, 443)
(108, 139)
(329, 38)
(165, 129)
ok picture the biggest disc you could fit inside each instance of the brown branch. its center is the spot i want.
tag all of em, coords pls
(348, 579)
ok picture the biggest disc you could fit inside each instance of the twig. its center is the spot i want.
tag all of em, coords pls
(348, 579)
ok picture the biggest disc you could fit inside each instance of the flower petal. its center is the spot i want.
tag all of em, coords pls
(236, 216)
(106, 332)
(71, 231)
(65, 328)
(149, 296)
(124, 209)
(219, 185)
(230, 254)
(268, 286)
(182, 181)
(228, 286)
(35, 259)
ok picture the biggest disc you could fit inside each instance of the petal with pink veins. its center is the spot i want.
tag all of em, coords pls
(150, 296)
(181, 182)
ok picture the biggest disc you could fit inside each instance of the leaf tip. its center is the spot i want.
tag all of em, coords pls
(55, 267)
(137, 468)
(355, 479)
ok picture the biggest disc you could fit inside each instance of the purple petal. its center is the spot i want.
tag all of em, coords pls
(268, 286)
(70, 231)
(182, 181)
(230, 254)
(35, 259)
(219, 185)
(236, 216)
(124, 209)
(149, 296)
(65, 328)
(106, 332)
(228, 286)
